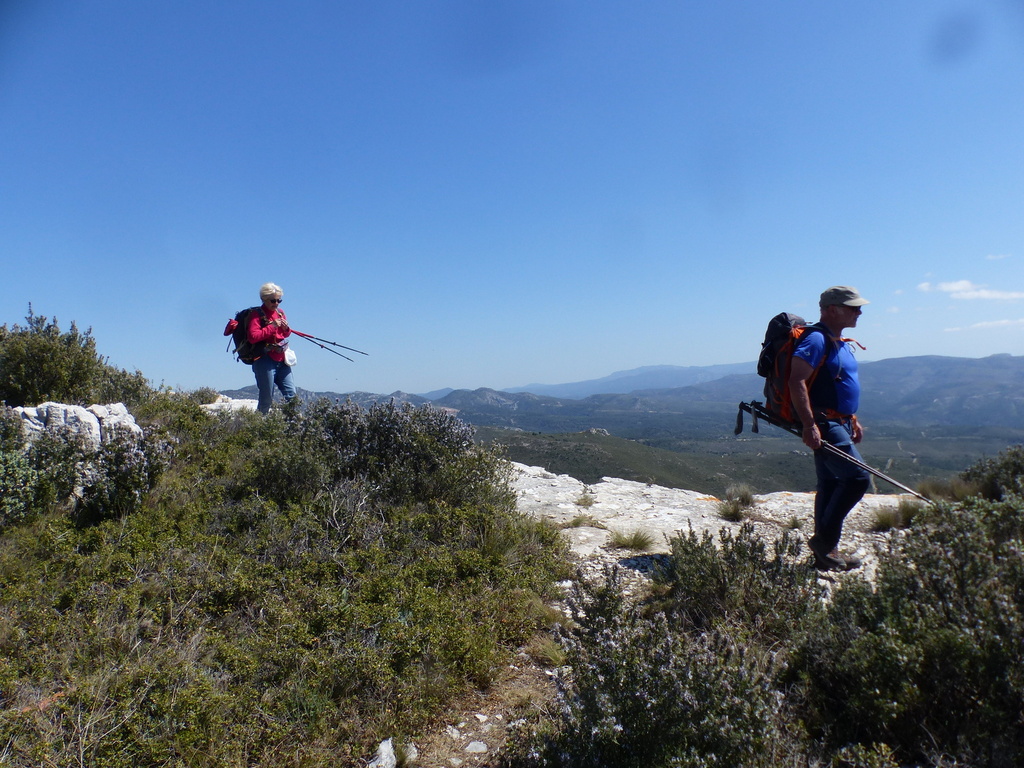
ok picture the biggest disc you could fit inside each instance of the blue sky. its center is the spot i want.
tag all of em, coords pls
(495, 193)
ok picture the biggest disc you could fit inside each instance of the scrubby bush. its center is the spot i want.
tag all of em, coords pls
(119, 475)
(997, 478)
(401, 455)
(39, 363)
(18, 483)
(740, 581)
(294, 619)
(638, 693)
(930, 660)
(39, 474)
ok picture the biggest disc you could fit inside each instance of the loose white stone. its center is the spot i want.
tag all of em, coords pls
(385, 756)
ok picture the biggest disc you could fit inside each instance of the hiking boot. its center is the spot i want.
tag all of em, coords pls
(851, 561)
(829, 562)
(832, 561)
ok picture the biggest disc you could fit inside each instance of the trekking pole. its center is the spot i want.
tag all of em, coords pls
(332, 351)
(332, 343)
(757, 411)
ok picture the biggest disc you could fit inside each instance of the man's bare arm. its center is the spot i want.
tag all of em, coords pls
(800, 373)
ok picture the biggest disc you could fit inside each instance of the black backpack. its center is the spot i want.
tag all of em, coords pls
(783, 333)
(238, 330)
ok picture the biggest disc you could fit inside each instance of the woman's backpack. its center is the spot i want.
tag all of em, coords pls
(238, 329)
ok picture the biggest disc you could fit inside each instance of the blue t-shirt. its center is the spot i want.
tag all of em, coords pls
(836, 386)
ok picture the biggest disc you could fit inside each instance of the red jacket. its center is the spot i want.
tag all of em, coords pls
(261, 332)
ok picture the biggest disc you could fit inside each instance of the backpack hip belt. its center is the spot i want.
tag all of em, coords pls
(828, 414)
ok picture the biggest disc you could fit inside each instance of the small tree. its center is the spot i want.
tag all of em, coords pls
(38, 363)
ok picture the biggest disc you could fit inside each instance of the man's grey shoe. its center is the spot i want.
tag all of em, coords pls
(851, 561)
(833, 561)
(829, 563)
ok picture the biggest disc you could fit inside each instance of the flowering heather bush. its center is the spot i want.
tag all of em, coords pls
(742, 581)
(638, 693)
(931, 660)
(18, 483)
(119, 475)
(37, 476)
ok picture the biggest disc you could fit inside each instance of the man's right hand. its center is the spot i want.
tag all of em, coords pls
(812, 437)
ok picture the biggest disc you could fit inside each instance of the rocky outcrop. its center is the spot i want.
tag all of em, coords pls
(224, 403)
(95, 425)
(589, 516)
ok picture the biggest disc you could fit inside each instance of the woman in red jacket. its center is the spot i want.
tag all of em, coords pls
(269, 329)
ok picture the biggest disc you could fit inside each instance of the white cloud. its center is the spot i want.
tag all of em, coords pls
(965, 289)
(960, 286)
(997, 256)
(984, 293)
(988, 324)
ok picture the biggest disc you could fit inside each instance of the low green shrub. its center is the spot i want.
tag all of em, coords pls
(19, 481)
(227, 617)
(119, 475)
(740, 581)
(999, 477)
(641, 694)
(37, 475)
(928, 661)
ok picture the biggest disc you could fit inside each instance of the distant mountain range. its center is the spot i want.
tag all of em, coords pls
(914, 391)
(926, 417)
(648, 377)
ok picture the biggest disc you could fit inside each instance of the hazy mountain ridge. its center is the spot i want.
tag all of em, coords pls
(918, 391)
(927, 416)
(646, 377)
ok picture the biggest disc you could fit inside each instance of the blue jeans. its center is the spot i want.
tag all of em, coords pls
(269, 373)
(841, 484)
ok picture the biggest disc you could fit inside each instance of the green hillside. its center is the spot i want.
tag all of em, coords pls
(239, 590)
(769, 461)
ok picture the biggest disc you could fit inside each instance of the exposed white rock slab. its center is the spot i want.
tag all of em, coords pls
(96, 424)
(626, 506)
(225, 403)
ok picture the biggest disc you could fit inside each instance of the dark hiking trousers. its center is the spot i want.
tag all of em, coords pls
(841, 484)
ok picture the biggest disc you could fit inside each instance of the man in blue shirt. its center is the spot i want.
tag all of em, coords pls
(825, 390)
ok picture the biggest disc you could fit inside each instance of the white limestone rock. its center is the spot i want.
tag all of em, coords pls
(95, 424)
(626, 506)
(225, 403)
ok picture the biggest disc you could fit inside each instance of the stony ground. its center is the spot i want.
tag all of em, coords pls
(591, 514)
